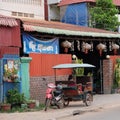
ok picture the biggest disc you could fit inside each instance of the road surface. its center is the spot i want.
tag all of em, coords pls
(100, 114)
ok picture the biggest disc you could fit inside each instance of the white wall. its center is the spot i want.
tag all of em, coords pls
(53, 1)
(119, 21)
(53, 10)
(54, 13)
(6, 8)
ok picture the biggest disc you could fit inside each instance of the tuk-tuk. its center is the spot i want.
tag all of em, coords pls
(81, 89)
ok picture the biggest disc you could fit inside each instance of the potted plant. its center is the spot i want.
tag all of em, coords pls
(31, 103)
(5, 106)
(15, 98)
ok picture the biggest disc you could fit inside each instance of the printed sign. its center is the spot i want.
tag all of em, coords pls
(33, 45)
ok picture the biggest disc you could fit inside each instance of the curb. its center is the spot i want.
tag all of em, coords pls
(79, 112)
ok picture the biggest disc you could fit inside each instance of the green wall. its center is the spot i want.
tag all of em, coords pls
(25, 85)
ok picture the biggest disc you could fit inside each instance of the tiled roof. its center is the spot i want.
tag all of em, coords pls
(62, 28)
(67, 2)
(116, 2)
(7, 21)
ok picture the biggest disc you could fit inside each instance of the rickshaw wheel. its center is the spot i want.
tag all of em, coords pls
(66, 102)
(88, 99)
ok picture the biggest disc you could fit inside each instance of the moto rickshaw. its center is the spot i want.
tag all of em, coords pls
(82, 90)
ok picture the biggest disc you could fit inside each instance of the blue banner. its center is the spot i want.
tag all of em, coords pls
(33, 45)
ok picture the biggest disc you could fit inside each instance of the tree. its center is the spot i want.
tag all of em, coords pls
(104, 15)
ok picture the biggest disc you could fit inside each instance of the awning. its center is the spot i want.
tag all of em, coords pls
(59, 28)
(69, 32)
(8, 21)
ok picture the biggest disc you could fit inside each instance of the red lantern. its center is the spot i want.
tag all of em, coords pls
(66, 44)
(86, 47)
(66, 50)
(115, 47)
(101, 47)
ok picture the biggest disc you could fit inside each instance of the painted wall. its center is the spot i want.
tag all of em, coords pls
(41, 67)
(25, 87)
(41, 64)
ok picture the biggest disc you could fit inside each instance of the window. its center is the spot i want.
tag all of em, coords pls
(20, 14)
(14, 13)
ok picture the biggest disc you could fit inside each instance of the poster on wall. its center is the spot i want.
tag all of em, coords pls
(11, 71)
(33, 45)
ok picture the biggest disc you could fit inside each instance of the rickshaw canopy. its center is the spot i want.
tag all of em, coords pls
(73, 65)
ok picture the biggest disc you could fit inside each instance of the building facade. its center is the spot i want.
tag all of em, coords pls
(23, 8)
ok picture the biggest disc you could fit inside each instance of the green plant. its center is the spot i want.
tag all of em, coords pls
(89, 74)
(114, 86)
(79, 71)
(15, 97)
(103, 15)
(117, 73)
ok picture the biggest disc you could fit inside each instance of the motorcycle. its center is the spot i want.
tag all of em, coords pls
(54, 96)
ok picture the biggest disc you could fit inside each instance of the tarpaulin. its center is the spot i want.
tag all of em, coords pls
(33, 45)
(76, 14)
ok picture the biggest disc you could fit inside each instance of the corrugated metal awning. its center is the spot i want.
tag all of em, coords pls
(70, 32)
(7, 21)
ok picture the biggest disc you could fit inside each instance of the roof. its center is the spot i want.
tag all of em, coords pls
(73, 65)
(67, 2)
(60, 28)
(8, 21)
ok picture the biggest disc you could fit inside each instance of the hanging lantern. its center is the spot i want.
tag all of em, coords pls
(101, 47)
(110, 46)
(115, 47)
(91, 46)
(86, 47)
(66, 44)
(72, 46)
(78, 45)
